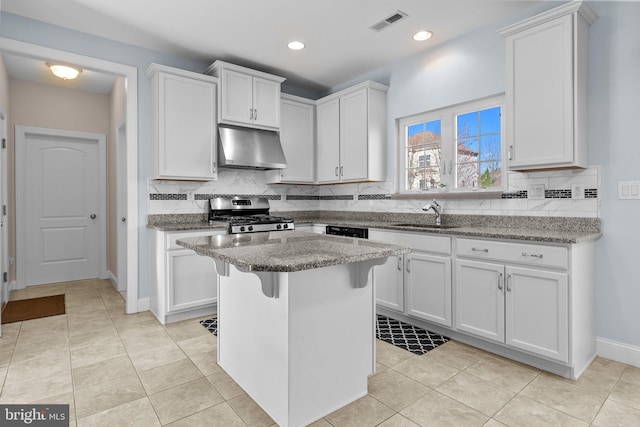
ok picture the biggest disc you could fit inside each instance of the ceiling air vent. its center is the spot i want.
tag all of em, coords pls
(392, 19)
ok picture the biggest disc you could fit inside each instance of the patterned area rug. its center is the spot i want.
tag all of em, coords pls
(408, 337)
(400, 334)
(211, 325)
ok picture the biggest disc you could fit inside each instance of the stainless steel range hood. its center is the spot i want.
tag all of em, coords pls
(246, 148)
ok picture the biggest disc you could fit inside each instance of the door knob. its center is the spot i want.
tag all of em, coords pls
(92, 216)
(123, 219)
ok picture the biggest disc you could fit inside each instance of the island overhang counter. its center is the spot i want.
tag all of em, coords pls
(296, 315)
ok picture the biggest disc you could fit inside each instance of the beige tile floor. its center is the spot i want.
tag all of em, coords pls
(128, 370)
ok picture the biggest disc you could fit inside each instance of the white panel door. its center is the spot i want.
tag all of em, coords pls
(236, 97)
(539, 63)
(389, 283)
(328, 148)
(297, 134)
(266, 103)
(59, 198)
(480, 299)
(537, 312)
(354, 137)
(187, 128)
(428, 283)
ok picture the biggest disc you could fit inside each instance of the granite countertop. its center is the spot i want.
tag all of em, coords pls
(509, 233)
(289, 251)
(534, 229)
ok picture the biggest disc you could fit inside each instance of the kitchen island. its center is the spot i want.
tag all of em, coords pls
(296, 317)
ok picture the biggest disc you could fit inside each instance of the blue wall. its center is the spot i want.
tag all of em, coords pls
(614, 113)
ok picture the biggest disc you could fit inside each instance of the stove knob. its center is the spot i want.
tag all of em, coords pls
(251, 228)
(286, 226)
(278, 227)
(242, 228)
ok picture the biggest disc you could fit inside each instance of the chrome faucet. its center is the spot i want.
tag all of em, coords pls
(436, 208)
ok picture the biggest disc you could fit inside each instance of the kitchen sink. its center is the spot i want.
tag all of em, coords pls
(435, 226)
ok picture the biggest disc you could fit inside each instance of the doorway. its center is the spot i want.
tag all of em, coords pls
(130, 75)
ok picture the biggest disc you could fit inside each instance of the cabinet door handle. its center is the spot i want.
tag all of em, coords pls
(509, 282)
(510, 152)
(399, 263)
(444, 168)
(485, 250)
(336, 170)
(255, 114)
(409, 266)
(250, 113)
(341, 170)
(532, 255)
(450, 167)
(500, 279)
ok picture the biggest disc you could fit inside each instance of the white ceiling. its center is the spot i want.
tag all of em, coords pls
(255, 33)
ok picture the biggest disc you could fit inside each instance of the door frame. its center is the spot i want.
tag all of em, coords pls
(21, 168)
(130, 73)
(121, 183)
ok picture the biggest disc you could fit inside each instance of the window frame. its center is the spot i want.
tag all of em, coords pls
(448, 171)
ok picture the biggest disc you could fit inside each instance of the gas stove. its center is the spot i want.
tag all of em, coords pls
(247, 215)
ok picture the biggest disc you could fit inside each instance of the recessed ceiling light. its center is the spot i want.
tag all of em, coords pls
(64, 71)
(296, 45)
(423, 35)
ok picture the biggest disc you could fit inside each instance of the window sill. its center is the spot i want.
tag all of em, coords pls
(461, 195)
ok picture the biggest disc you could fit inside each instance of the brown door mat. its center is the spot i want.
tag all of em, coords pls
(33, 308)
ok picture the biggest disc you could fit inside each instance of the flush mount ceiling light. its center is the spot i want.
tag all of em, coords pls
(296, 45)
(64, 72)
(423, 35)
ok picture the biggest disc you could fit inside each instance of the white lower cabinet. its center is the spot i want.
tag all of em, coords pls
(522, 307)
(186, 284)
(417, 284)
(428, 286)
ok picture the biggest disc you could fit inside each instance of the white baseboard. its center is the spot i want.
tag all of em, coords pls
(618, 352)
(144, 304)
(113, 279)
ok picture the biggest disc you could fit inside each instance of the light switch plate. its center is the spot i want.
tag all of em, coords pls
(629, 190)
(536, 192)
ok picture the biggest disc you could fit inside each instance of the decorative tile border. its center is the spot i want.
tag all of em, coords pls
(522, 194)
(374, 196)
(342, 197)
(590, 193)
(557, 194)
(156, 196)
(302, 197)
(229, 196)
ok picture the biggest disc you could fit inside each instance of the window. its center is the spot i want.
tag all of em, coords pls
(454, 148)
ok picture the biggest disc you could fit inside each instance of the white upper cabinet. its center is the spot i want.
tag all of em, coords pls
(247, 97)
(297, 135)
(351, 135)
(184, 126)
(546, 89)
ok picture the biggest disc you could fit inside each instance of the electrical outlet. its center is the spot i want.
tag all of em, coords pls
(536, 192)
(577, 191)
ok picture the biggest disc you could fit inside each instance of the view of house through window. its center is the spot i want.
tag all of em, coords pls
(479, 153)
(457, 147)
(423, 155)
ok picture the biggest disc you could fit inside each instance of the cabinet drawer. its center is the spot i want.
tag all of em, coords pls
(543, 256)
(173, 237)
(418, 241)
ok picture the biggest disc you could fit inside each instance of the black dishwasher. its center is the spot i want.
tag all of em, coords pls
(362, 233)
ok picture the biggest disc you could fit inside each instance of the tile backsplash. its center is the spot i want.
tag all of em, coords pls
(518, 199)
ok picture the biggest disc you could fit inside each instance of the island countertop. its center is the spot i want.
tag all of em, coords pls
(289, 251)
